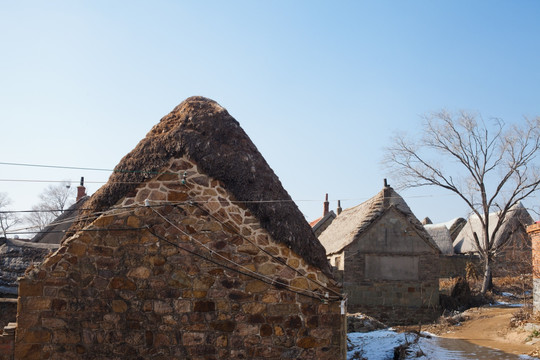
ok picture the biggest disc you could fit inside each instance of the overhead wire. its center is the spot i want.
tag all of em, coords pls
(223, 257)
(251, 275)
(131, 208)
(279, 260)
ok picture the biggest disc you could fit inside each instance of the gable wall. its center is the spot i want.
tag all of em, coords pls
(391, 273)
(128, 294)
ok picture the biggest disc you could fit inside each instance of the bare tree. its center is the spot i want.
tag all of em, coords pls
(8, 219)
(54, 200)
(491, 167)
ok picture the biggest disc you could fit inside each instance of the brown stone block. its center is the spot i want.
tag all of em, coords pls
(182, 306)
(29, 288)
(157, 260)
(308, 342)
(256, 319)
(244, 329)
(157, 195)
(161, 307)
(100, 251)
(193, 338)
(202, 180)
(77, 248)
(119, 306)
(282, 309)
(29, 351)
(224, 326)
(270, 298)
(278, 330)
(66, 337)
(27, 320)
(249, 249)
(34, 336)
(140, 272)
(133, 221)
(203, 283)
(256, 286)
(300, 283)
(199, 294)
(122, 284)
(254, 308)
(204, 306)
(104, 221)
(35, 303)
(239, 296)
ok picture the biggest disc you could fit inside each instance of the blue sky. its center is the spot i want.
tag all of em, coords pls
(319, 86)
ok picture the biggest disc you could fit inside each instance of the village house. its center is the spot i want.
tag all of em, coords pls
(386, 260)
(181, 255)
(515, 255)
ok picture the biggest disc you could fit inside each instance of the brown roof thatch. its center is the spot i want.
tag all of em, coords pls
(202, 130)
(352, 222)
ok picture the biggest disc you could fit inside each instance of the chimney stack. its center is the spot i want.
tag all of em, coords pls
(387, 194)
(81, 190)
(326, 208)
(339, 209)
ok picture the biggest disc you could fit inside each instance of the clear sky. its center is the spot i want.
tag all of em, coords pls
(319, 86)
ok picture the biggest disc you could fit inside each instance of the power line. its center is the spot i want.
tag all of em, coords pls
(269, 282)
(279, 260)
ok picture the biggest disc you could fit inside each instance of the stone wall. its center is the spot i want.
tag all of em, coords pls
(534, 232)
(391, 273)
(456, 265)
(8, 311)
(199, 280)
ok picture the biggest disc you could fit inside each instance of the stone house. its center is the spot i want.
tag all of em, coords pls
(515, 255)
(181, 256)
(386, 260)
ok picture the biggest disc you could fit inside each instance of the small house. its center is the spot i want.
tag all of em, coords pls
(514, 254)
(386, 260)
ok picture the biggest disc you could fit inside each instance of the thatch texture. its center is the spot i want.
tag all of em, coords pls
(15, 257)
(202, 130)
(352, 222)
(54, 232)
(455, 226)
(516, 220)
(441, 235)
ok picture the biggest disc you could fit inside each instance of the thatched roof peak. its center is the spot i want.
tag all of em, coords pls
(203, 131)
(352, 222)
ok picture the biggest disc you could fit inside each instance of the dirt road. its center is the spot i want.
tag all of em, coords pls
(490, 327)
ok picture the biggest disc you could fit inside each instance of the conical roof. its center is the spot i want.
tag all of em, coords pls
(203, 131)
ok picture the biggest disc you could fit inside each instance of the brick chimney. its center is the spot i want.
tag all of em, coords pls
(326, 208)
(339, 209)
(387, 194)
(81, 190)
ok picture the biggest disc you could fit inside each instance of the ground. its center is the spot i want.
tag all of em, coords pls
(507, 324)
(502, 326)
(490, 326)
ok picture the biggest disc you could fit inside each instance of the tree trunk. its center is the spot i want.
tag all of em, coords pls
(487, 283)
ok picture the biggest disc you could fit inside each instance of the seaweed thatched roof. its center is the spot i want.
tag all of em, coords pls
(351, 223)
(441, 235)
(203, 131)
(54, 232)
(517, 218)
